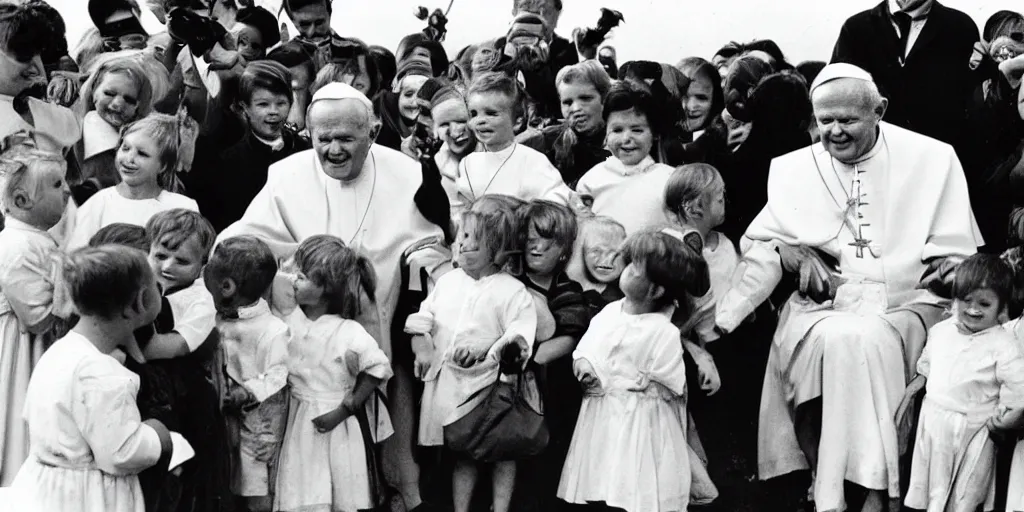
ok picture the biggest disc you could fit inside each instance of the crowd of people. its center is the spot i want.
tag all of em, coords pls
(246, 270)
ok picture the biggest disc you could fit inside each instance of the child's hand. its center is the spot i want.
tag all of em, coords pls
(707, 371)
(586, 374)
(466, 356)
(327, 422)
(423, 348)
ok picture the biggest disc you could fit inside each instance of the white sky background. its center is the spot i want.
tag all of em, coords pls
(661, 30)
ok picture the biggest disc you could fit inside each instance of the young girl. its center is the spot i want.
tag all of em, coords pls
(596, 262)
(334, 366)
(472, 315)
(33, 307)
(628, 187)
(88, 441)
(704, 99)
(399, 107)
(148, 153)
(629, 450)
(118, 93)
(550, 232)
(973, 372)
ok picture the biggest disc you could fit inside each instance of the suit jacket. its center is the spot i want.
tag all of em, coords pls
(931, 92)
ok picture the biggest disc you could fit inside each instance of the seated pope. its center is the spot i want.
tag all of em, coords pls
(873, 219)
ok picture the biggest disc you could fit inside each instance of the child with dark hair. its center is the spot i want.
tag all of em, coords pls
(88, 438)
(629, 449)
(387, 64)
(596, 261)
(550, 233)
(335, 368)
(973, 371)
(505, 166)
(303, 72)
(255, 32)
(397, 105)
(254, 344)
(265, 98)
(629, 186)
(128, 235)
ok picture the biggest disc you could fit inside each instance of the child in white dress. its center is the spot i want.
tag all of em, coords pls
(88, 440)
(972, 370)
(33, 303)
(254, 344)
(334, 366)
(630, 449)
(629, 186)
(146, 159)
(474, 314)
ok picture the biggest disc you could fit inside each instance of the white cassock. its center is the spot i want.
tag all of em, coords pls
(857, 351)
(375, 215)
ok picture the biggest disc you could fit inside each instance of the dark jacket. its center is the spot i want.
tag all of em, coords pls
(931, 92)
(231, 180)
(588, 151)
(540, 84)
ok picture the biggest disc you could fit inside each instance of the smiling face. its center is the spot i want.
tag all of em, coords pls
(451, 124)
(581, 106)
(267, 113)
(602, 259)
(408, 104)
(341, 134)
(138, 160)
(474, 256)
(847, 120)
(117, 99)
(979, 310)
(543, 255)
(629, 136)
(179, 267)
(491, 119)
(16, 76)
(697, 103)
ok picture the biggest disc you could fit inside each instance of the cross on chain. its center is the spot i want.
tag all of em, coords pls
(855, 202)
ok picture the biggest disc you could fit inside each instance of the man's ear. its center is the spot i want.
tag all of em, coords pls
(375, 130)
(882, 106)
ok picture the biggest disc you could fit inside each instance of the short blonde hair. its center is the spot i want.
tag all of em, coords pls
(149, 76)
(16, 172)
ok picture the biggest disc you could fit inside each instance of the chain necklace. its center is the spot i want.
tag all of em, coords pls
(495, 175)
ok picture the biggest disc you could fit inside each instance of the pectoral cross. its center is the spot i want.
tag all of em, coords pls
(854, 205)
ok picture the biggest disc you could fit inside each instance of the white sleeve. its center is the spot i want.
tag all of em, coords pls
(759, 272)
(195, 320)
(87, 222)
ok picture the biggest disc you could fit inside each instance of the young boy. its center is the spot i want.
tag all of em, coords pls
(265, 98)
(495, 106)
(181, 241)
(254, 343)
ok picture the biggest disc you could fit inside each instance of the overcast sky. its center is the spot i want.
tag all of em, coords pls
(662, 30)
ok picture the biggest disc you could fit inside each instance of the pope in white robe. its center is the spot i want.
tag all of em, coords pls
(885, 203)
(362, 193)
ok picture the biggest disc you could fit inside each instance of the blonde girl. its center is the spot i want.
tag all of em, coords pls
(149, 154)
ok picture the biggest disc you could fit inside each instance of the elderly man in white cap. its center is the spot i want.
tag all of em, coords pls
(362, 193)
(891, 208)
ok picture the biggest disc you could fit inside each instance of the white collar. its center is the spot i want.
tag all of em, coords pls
(275, 145)
(252, 311)
(916, 13)
(99, 135)
(642, 167)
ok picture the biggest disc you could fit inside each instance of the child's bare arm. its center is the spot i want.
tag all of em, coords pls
(555, 348)
(166, 346)
(365, 384)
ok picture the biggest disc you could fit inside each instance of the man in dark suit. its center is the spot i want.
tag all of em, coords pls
(918, 53)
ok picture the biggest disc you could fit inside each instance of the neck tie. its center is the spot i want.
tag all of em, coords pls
(903, 21)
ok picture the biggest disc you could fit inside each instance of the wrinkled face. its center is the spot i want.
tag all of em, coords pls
(629, 136)
(117, 99)
(249, 42)
(451, 124)
(474, 256)
(408, 105)
(581, 106)
(51, 196)
(177, 268)
(697, 103)
(267, 113)
(543, 255)
(738, 130)
(491, 118)
(979, 310)
(313, 22)
(847, 123)
(342, 137)
(634, 283)
(602, 259)
(138, 161)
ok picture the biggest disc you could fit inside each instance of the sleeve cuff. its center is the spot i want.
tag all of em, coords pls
(419, 323)
(732, 311)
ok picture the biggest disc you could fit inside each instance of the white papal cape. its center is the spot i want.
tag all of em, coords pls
(375, 214)
(855, 352)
